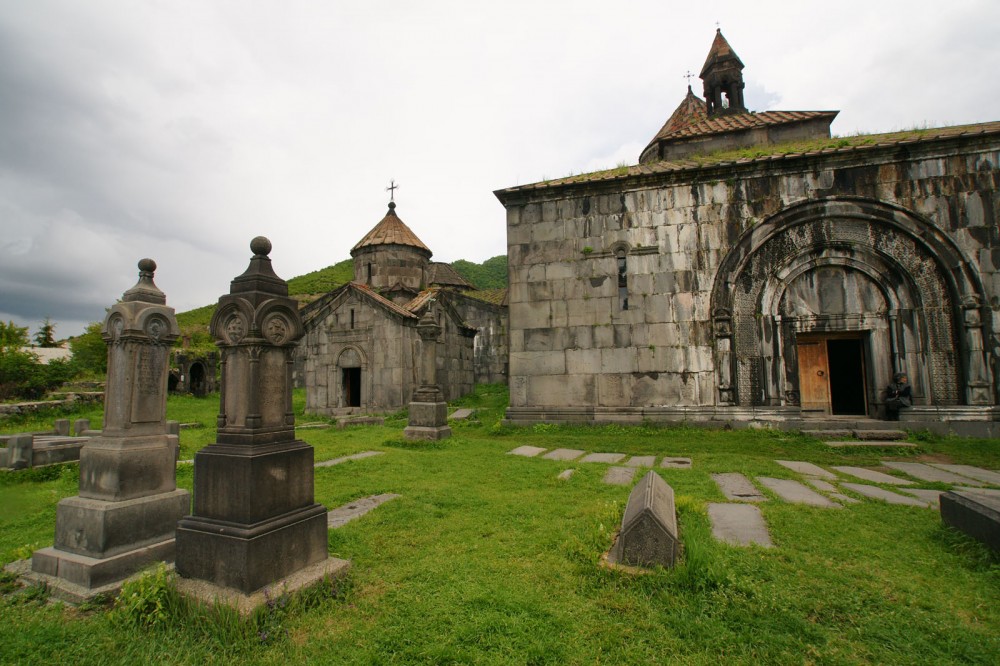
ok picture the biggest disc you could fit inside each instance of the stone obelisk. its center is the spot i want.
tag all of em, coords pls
(254, 521)
(128, 507)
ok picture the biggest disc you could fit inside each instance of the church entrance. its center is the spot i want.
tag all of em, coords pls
(197, 379)
(352, 387)
(832, 374)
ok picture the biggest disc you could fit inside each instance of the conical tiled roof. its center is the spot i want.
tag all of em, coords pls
(720, 52)
(691, 111)
(390, 231)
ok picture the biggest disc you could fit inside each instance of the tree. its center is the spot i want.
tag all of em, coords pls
(45, 337)
(13, 336)
(90, 353)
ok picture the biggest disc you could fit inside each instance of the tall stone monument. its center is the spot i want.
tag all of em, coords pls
(428, 409)
(254, 520)
(128, 506)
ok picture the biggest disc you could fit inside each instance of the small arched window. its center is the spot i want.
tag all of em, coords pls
(622, 279)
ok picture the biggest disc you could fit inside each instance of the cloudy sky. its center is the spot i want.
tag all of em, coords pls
(179, 130)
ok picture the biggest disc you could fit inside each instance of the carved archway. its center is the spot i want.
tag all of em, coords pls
(924, 316)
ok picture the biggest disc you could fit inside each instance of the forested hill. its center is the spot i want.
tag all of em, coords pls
(491, 274)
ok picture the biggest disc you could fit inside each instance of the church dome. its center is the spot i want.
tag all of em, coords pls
(390, 231)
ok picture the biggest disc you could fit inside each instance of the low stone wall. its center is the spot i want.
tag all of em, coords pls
(70, 400)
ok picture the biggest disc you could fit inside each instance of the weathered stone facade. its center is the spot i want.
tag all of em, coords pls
(361, 348)
(737, 287)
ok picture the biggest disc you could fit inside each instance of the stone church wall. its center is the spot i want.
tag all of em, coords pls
(574, 349)
(490, 344)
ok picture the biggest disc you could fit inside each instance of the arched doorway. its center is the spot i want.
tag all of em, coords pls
(825, 300)
(197, 383)
(350, 365)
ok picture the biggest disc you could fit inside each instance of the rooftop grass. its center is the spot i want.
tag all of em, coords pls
(487, 558)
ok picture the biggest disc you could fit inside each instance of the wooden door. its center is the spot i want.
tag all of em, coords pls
(814, 376)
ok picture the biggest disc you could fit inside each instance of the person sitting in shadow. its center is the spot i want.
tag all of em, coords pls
(898, 395)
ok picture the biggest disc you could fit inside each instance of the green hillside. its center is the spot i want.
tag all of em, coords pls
(491, 274)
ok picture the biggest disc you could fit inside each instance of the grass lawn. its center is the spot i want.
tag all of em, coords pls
(489, 558)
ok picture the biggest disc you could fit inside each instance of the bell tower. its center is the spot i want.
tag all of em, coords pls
(723, 78)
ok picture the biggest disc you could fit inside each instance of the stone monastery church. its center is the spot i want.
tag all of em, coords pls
(750, 267)
(361, 349)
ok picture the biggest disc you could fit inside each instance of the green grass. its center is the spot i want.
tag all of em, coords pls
(488, 558)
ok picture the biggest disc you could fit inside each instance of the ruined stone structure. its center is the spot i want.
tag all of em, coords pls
(791, 280)
(195, 373)
(361, 347)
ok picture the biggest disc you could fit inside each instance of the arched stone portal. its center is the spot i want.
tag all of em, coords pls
(350, 367)
(892, 291)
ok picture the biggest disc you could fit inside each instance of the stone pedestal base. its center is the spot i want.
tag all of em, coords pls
(329, 569)
(86, 575)
(99, 542)
(248, 557)
(428, 420)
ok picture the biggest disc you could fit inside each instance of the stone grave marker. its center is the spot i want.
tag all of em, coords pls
(985, 475)
(641, 461)
(563, 454)
(255, 521)
(428, 409)
(619, 476)
(807, 469)
(795, 493)
(976, 514)
(648, 535)
(874, 492)
(738, 524)
(737, 487)
(526, 451)
(928, 473)
(128, 506)
(873, 476)
(602, 457)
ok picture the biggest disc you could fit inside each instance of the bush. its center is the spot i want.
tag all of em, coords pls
(90, 353)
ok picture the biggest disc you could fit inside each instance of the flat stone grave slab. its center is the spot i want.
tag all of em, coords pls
(603, 457)
(565, 474)
(976, 514)
(796, 493)
(304, 426)
(806, 468)
(526, 451)
(737, 487)
(354, 456)
(345, 514)
(831, 490)
(874, 492)
(739, 524)
(932, 497)
(641, 461)
(676, 463)
(619, 476)
(828, 434)
(461, 414)
(992, 478)
(991, 492)
(880, 435)
(873, 476)
(928, 473)
(874, 444)
(563, 454)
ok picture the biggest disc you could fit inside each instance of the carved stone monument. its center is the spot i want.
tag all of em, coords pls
(649, 528)
(428, 409)
(254, 521)
(129, 505)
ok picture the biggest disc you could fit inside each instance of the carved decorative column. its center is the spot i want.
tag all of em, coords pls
(255, 520)
(428, 409)
(979, 387)
(128, 506)
(722, 325)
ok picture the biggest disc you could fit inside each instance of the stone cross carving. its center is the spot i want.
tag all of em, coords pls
(428, 409)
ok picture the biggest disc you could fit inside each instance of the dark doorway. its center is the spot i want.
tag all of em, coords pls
(352, 387)
(197, 379)
(847, 376)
